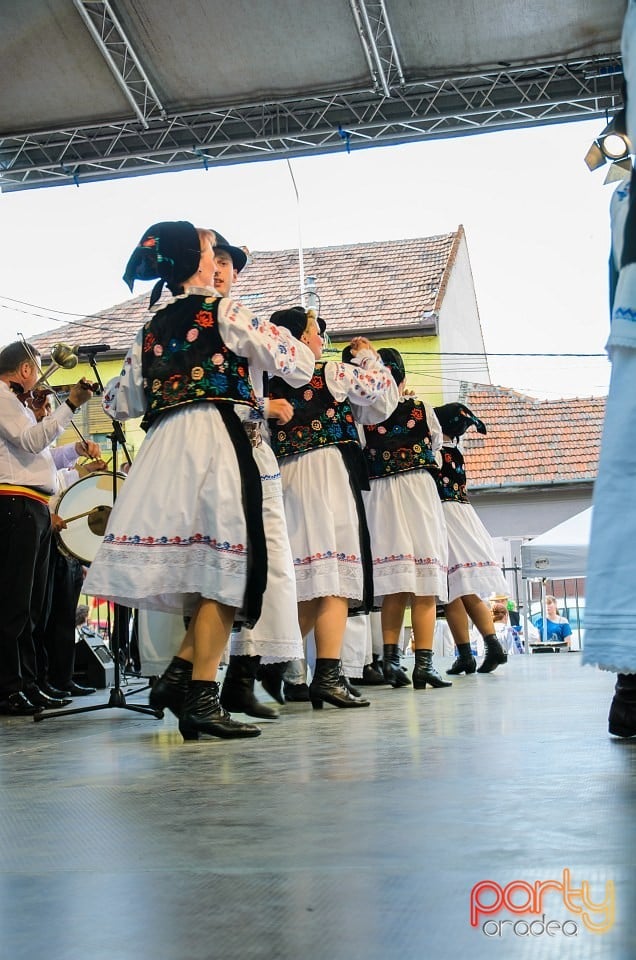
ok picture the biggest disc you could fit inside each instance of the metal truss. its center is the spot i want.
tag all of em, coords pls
(108, 34)
(376, 37)
(421, 109)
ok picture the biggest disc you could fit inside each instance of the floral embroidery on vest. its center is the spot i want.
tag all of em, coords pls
(451, 482)
(401, 443)
(184, 360)
(319, 420)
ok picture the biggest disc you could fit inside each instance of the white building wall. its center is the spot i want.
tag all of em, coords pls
(460, 329)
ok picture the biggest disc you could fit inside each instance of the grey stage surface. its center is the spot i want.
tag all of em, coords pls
(340, 835)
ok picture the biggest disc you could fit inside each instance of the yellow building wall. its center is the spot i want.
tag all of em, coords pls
(421, 357)
(422, 361)
(90, 418)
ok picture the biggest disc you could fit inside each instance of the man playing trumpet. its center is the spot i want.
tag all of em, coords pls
(28, 477)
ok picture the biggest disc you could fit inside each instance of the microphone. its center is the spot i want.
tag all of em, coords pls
(91, 348)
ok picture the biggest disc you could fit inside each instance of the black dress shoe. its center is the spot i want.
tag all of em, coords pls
(39, 699)
(55, 692)
(76, 690)
(17, 705)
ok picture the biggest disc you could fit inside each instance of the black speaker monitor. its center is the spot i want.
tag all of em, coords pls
(94, 663)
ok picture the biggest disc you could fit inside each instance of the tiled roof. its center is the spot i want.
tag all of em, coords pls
(376, 288)
(530, 441)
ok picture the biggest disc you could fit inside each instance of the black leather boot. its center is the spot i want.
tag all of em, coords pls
(327, 687)
(495, 655)
(465, 662)
(424, 672)
(237, 692)
(347, 683)
(169, 690)
(373, 673)
(270, 676)
(202, 713)
(295, 692)
(622, 715)
(393, 670)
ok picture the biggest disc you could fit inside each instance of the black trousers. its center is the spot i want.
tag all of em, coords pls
(25, 538)
(54, 635)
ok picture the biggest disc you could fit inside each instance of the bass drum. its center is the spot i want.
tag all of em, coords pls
(86, 506)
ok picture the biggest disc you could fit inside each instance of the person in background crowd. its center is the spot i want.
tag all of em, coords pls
(554, 627)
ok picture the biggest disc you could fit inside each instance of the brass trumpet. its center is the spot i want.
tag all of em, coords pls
(62, 355)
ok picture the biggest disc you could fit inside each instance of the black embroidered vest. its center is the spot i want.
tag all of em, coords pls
(401, 443)
(319, 420)
(184, 360)
(451, 482)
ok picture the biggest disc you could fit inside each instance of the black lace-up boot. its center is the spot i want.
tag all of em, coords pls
(465, 662)
(425, 673)
(327, 687)
(495, 655)
(394, 673)
(237, 692)
(169, 690)
(202, 713)
(622, 715)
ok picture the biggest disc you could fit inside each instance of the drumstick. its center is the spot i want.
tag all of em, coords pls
(87, 513)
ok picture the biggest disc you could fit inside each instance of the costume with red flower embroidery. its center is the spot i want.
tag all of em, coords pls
(406, 522)
(186, 538)
(322, 517)
(472, 564)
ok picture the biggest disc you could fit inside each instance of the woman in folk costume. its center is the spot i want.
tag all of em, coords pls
(275, 639)
(186, 532)
(322, 469)
(406, 522)
(473, 570)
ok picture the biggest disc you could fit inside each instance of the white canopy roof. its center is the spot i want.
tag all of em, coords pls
(95, 89)
(559, 552)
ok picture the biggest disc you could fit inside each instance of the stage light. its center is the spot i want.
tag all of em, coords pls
(611, 144)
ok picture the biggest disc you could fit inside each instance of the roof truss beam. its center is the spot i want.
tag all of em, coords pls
(422, 109)
(109, 36)
(378, 43)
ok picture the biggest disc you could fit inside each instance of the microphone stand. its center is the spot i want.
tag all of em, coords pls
(117, 698)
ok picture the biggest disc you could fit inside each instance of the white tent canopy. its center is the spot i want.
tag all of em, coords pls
(560, 552)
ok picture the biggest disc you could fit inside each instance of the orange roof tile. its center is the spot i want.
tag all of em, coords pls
(530, 441)
(378, 288)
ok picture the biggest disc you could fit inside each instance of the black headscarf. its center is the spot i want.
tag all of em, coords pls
(295, 320)
(392, 359)
(169, 251)
(456, 418)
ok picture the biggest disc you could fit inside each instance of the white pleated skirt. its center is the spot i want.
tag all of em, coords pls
(276, 635)
(356, 645)
(408, 536)
(472, 564)
(177, 531)
(322, 523)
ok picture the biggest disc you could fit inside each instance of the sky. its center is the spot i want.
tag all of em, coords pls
(536, 224)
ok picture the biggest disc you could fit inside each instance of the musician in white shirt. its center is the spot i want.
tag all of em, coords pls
(28, 470)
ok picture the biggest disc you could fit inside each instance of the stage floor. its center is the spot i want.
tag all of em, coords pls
(336, 835)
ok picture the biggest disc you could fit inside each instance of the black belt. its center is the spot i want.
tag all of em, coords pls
(354, 461)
